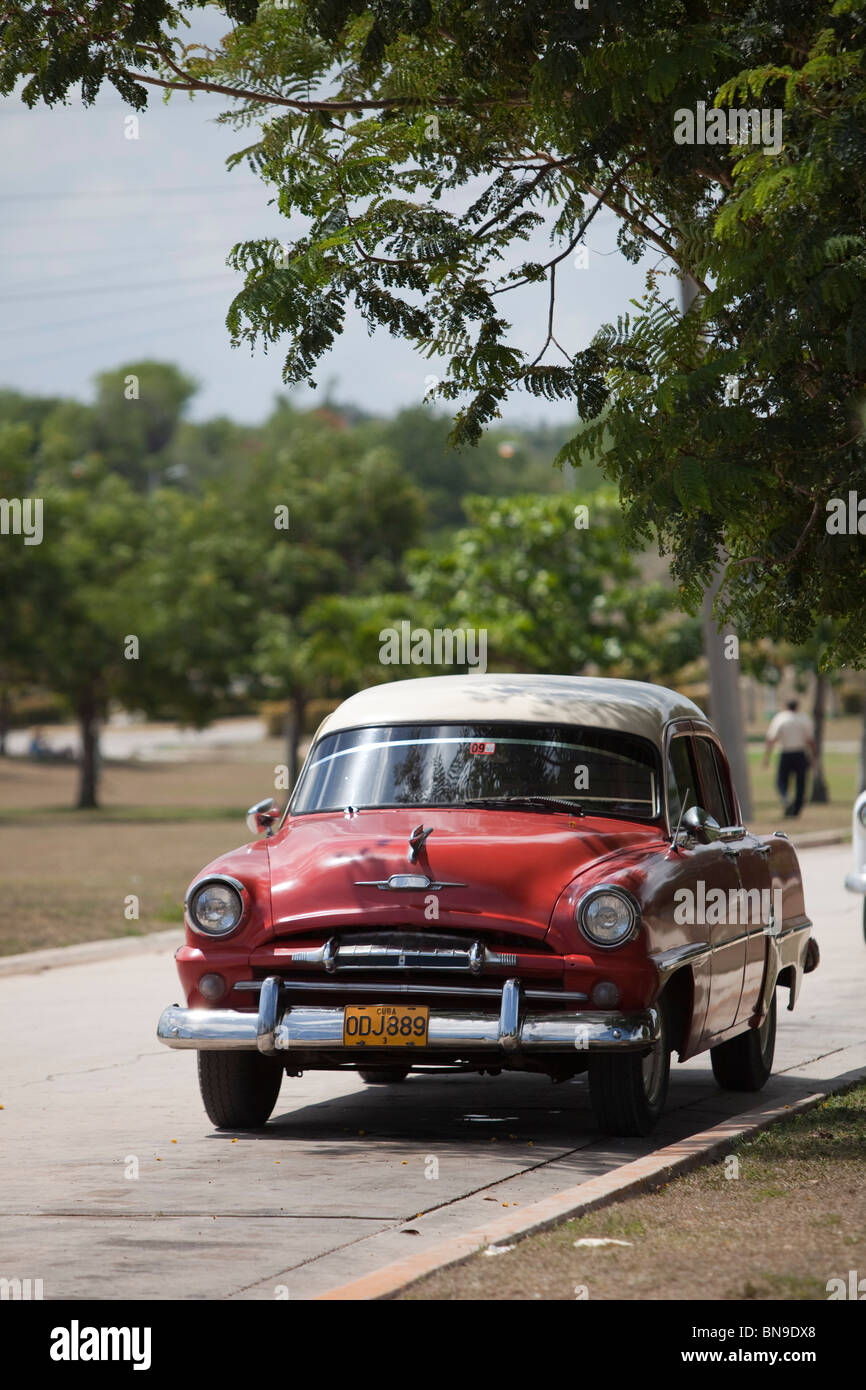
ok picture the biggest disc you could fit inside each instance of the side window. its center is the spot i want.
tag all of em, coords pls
(724, 776)
(682, 778)
(717, 801)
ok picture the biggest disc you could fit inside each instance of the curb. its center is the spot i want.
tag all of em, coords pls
(641, 1175)
(817, 839)
(55, 958)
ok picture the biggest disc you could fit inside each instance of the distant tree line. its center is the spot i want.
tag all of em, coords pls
(187, 569)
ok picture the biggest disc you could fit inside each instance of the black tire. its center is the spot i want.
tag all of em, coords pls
(744, 1063)
(383, 1076)
(628, 1090)
(864, 919)
(239, 1089)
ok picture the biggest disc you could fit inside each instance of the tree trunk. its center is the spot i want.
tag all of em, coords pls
(294, 734)
(88, 722)
(820, 793)
(723, 669)
(725, 708)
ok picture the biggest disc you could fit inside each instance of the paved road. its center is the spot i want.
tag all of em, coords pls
(346, 1178)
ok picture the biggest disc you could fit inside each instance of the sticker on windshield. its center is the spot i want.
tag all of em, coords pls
(482, 748)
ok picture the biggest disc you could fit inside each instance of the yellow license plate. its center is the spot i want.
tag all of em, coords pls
(385, 1025)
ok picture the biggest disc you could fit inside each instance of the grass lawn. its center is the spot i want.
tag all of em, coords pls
(67, 874)
(841, 771)
(793, 1219)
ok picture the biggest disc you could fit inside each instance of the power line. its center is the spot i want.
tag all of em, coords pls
(134, 192)
(107, 289)
(97, 318)
(154, 212)
(78, 348)
(188, 248)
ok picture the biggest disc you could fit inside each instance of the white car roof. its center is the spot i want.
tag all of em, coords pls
(631, 706)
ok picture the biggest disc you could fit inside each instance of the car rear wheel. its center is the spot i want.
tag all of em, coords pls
(383, 1076)
(627, 1090)
(744, 1063)
(239, 1089)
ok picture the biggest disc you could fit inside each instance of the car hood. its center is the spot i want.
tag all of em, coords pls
(508, 867)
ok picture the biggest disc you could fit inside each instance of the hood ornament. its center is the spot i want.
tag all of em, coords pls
(417, 840)
(406, 883)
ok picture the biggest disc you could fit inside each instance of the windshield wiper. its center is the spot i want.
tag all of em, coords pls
(536, 802)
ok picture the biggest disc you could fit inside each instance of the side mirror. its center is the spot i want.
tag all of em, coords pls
(262, 816)
(699, 823)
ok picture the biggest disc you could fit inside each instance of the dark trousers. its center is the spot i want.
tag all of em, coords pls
(792, 765)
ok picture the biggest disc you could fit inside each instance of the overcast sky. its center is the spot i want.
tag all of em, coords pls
(113, 249)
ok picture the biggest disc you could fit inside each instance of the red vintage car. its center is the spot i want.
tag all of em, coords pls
(496, 873)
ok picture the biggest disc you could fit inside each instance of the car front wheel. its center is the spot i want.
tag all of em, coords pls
(239, 1089)
(745, 1062)
(628, 1090)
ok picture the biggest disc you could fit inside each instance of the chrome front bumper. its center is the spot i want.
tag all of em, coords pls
(284, 1027)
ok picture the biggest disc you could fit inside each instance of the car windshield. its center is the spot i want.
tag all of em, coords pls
(605, 771)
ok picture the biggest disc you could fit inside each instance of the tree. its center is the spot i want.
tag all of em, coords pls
(322, 515)
(555, 590)
(424, 143)
(71, 604)
(500, 465)
(114, 601)
(136, 415)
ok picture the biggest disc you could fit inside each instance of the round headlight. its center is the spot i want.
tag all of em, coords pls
(215, 907)
(607, 916)
(861, 814)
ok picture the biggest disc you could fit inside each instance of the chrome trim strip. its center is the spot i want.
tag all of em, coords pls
(269, 1003)
(604, 1032)
(336, 956)
(666, 962)
(310, 1028)
(509, 1016)
(398, 883)
(792, 931)
(209, 1030)
(398, 987)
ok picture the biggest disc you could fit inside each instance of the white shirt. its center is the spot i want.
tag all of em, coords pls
(791, 730)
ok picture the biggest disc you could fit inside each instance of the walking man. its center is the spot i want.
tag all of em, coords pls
(795, 736)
